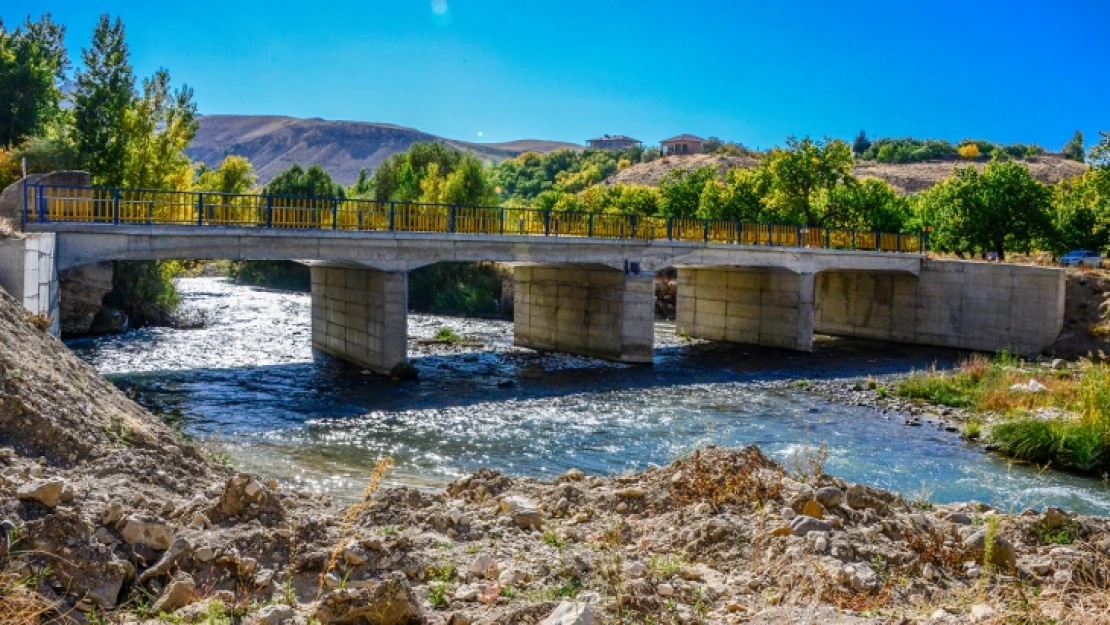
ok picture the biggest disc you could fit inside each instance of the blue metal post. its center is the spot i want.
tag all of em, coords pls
(502, 221)
(26, 201)
(392, 216)
(705, 230)
(853, 238)
(670, 228)
(634, 222)
(269, 211)
(451, 215)
(547, 222)
(590, 228)
(115, 206)
(335, 214)
(828, 239)
(40, 198)
(898, 242)
(200, 209)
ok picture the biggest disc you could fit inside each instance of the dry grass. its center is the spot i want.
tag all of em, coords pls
(41, 320)
(346, 533)
(20, 603)
(735, 479)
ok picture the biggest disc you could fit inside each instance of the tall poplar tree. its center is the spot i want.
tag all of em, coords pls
(105, 90)
(33, 64)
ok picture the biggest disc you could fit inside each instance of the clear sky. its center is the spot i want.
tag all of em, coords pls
(754, 72)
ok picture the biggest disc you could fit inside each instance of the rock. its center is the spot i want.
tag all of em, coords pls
(244, 499)
(109, 321)
(511, 576)
(981, 612)
(630, 493)
(481, 565)
(958, 518)
(861, 577)
(82, 290)
(355, 555)
(635, 569)
(1002, 553)
(788, 513)
(930, 572)
(813, 509)
(665, 590)
(385, 602)
(1054, 517)
(111, 513)
(180, 593)
(829, 496)
(468, 592)
(570, 613)
(528, 518)
(46, 492)
(573, 475)
(153, 534)
(802, 525)
(277, 614)
(178, 550)
(513, 503)
(1058, 364)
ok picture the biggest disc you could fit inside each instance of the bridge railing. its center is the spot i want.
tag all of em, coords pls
(60, 204)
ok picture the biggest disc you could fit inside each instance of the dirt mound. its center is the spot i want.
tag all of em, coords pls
(906, 177)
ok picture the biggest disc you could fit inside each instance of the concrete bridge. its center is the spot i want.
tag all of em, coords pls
(583, 284)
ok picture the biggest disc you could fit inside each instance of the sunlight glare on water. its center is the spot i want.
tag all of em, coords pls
(250, 382)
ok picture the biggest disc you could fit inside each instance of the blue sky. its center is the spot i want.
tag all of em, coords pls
(752, 72)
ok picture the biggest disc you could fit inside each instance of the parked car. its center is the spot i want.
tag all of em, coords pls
(1081, 257)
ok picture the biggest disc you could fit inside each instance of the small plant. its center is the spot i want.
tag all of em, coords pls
(857, 387)
(551, 537)
(972, 430)
(808, 463)
(437, 595)
(988, 547)
(663, 567)
(41, 320)
(448, 335)
(872, 384)
(375, 480)
(443, 572)
(922, 499)
(389, 530)
(509, 592)
(801, 384)
(883, 392)
(1065, 534)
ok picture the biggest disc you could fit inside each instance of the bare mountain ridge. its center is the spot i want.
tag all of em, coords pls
(273, 143)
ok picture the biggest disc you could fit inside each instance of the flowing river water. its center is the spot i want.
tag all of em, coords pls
(250, 384)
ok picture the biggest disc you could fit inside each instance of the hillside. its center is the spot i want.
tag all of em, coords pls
(273, 143)
(906, 177)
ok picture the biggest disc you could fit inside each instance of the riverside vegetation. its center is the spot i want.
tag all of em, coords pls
(110, 516)
(1057, 416)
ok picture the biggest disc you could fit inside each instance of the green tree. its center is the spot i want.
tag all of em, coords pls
(364, 186)
(1099, 157)
(157, 128)
(313, 182)
(739, 196)
(33, 64)
(802, 174)
(861, 144)
(712, 144)
(235, 175)
(680, 190)
(1003, 208)
(103, 94)
(1074, 149)
(1081, 213)
(469, 184)
(869, 204)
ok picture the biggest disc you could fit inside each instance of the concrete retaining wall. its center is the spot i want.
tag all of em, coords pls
(28, 272)
(969, 305)
(766, 307)
(361, 316)
(603, 313)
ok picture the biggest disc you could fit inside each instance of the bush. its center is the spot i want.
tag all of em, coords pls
(969, 151)
(275, 274)
(467, 289)
(144, 291)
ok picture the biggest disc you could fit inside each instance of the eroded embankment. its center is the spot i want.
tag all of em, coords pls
(107, 511)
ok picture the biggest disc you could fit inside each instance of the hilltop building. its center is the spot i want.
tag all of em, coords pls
(683, 144)
(612, 142)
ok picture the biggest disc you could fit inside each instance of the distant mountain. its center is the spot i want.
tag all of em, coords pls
(273, 143)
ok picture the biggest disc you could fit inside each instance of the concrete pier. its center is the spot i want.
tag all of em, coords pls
(360, 315)
(590, 311)
(29, 273)
(759, 306)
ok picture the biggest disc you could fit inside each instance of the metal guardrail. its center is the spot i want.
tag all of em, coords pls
(61, 204)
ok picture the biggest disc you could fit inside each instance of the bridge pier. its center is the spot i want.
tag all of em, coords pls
(590, 311)
(761, 306)
(361, 315)
(29, 273)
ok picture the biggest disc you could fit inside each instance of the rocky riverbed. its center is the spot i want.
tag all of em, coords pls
(111, 516)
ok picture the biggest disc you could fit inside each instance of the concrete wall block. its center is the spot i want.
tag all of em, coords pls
(744, 279)
(709, 320)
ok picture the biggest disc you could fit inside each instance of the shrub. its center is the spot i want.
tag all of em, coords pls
(970, 151)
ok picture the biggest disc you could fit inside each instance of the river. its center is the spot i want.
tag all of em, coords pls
(249, 385)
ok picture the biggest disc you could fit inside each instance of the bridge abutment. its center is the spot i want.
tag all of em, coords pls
(598, 312)
(361, 315)
(759, 306)
(29, 273)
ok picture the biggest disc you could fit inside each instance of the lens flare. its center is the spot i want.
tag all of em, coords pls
(439, 7)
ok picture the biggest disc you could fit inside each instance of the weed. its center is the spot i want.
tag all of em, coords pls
(509, 592)
(389, 530)
(972, 430)
(1063, 535)
(802, 384)
(732, 479)
(437, 595)
(372, 484)
(664, 567)
(884, 392)
(448, 335)
(988, 547)
(872, 384)
(808, 463)
(551, 537)
(922, 499)
(443, 572)
(41, 320)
